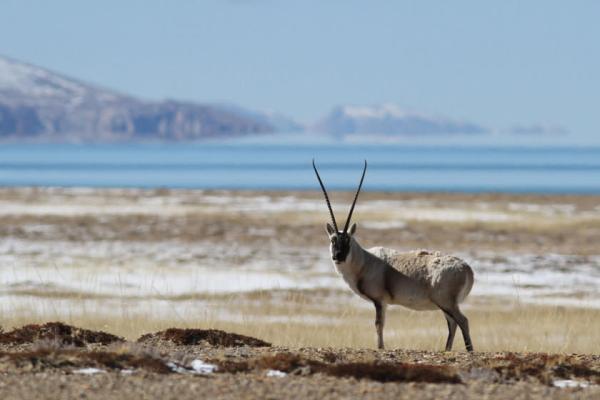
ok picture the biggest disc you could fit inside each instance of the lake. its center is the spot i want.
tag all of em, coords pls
(279, 166)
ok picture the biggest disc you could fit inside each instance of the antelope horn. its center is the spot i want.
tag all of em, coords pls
(326, 196)
(355, 198)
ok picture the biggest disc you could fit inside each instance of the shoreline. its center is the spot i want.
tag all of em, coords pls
(274, 190)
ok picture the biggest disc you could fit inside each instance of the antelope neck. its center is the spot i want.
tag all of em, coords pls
(355, 259)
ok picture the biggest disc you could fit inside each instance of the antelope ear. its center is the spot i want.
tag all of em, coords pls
(352, 229)
(330, 230)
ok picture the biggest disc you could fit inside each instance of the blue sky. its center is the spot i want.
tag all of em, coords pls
(500, 64)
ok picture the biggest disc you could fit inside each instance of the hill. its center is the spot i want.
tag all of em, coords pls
(389, 119)
(40, 105)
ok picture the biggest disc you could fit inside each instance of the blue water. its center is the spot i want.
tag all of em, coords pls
(255, 166)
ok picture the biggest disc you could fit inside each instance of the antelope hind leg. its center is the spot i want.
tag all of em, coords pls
(451, 331)
(463, 323)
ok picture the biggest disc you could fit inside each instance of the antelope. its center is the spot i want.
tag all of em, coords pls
(420, 280)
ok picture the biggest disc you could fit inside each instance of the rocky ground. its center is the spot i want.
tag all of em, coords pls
(60, 361)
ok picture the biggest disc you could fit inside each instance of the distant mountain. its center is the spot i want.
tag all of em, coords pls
(279, 122)
(389, 119)
(40, 105)
(538, 130)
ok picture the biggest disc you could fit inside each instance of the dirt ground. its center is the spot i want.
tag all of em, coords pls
(164, 365)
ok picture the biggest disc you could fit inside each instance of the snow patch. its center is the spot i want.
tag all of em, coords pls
(570, 383)
(197, 367)
(177, 368)
(89, 371)
(384, 224)
(24, 78)
(384, 110)
(200, 367)
(275, 373)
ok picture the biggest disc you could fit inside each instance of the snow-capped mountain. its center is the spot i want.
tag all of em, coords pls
(280, 123)
(389, 119)
(38, 104)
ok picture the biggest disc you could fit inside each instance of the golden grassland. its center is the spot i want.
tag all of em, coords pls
(310, 317)
(449, 222)
(297, 319)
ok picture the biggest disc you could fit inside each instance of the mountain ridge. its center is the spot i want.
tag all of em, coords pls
(37, 104)
(391, 120)
(41, 105)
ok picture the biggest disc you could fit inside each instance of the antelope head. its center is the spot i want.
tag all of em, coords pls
(340, 240)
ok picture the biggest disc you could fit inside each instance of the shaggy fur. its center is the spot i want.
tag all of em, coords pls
(419, 280)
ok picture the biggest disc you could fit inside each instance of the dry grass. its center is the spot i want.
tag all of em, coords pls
(194, 218)
(304, 318)
(329, 319)
(539, 329)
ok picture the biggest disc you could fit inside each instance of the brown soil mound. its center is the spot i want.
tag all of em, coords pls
(70, 359)
(57, 332)
(376, 370)
(214, 337)
(543, 367)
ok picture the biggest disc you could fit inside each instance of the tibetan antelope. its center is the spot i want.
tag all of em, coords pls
(419, 280)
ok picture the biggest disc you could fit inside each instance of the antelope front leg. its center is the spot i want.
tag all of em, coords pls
(379, 322)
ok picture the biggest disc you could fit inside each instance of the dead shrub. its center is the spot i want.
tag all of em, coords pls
(377, 371)
(540, 366)
(57, 332)
(40, 360)
(214, 337)
(391, 372)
